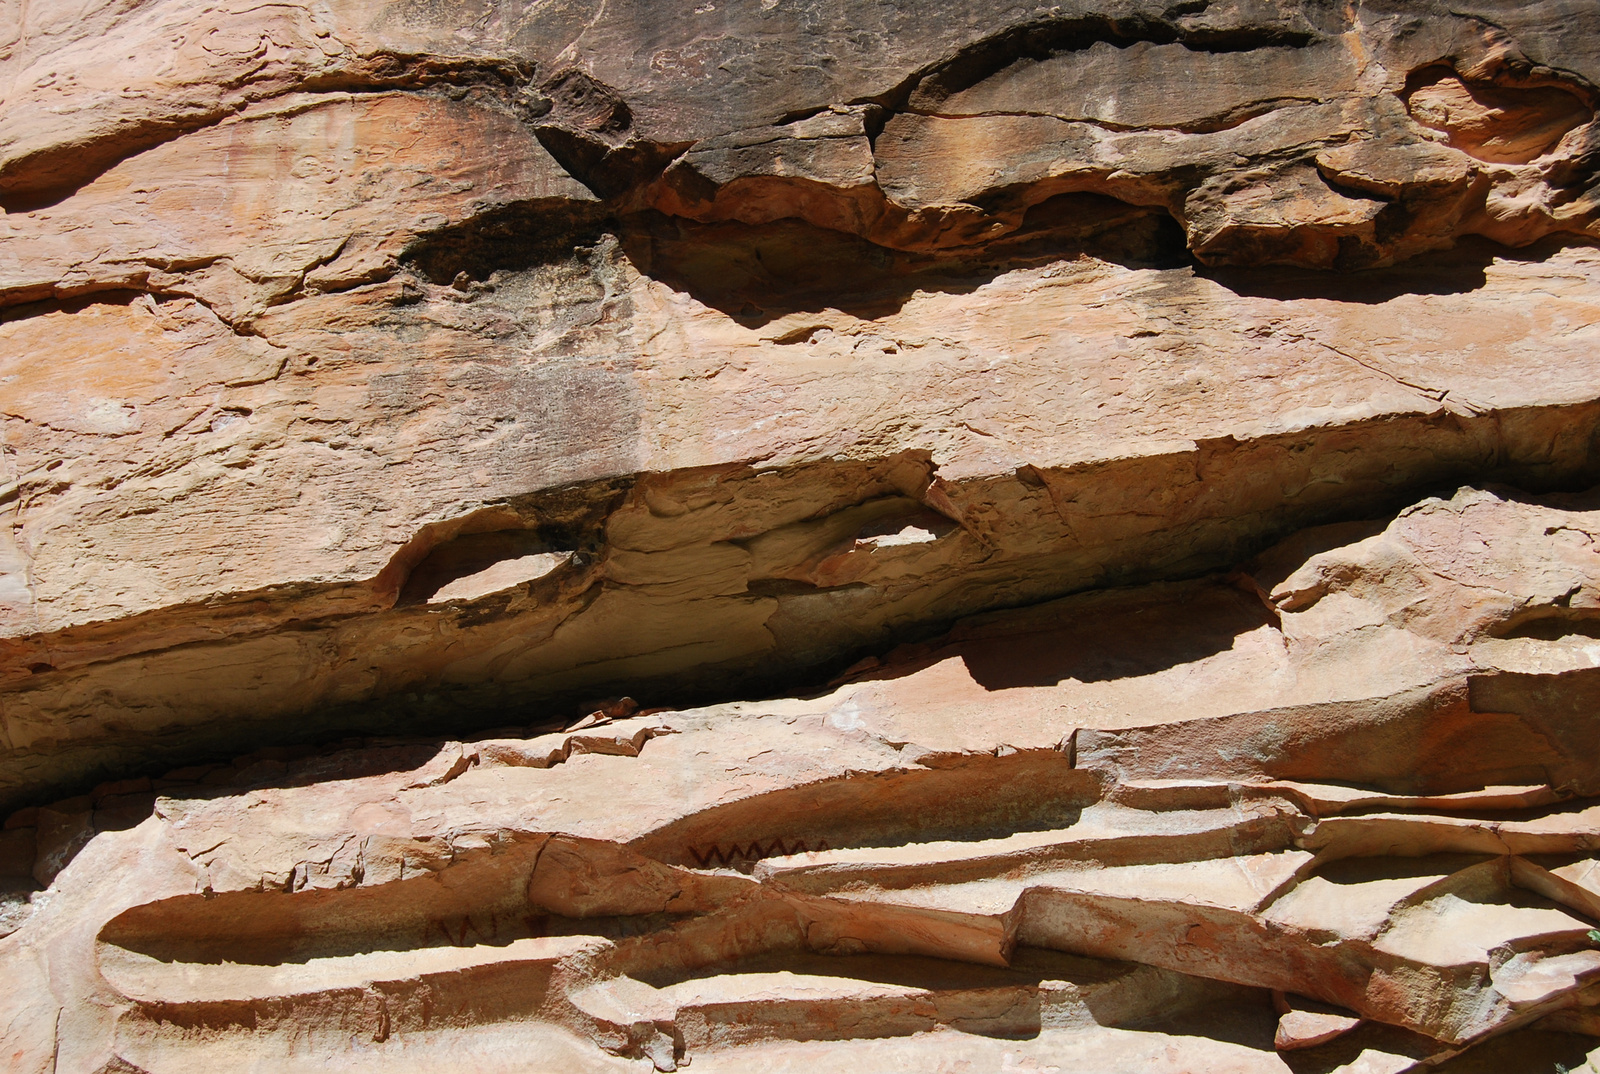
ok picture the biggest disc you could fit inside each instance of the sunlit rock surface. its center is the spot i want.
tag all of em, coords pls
(1075, 517)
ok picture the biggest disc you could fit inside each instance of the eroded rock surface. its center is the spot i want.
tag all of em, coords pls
(1090, 498)
(1359, 777)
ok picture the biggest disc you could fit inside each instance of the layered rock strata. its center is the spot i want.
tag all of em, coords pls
(1011, 452)
(1361, 775)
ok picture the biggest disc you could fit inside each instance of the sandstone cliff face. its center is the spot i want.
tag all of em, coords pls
(1090, 498)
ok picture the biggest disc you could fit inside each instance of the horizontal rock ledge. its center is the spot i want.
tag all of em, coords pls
(708, 582)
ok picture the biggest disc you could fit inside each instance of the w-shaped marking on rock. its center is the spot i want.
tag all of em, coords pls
(755, 850)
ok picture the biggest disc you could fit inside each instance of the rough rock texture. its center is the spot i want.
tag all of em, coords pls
(1091, 497)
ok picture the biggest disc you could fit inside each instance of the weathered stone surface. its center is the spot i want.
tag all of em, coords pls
(1278, 781)
(1062, 527)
